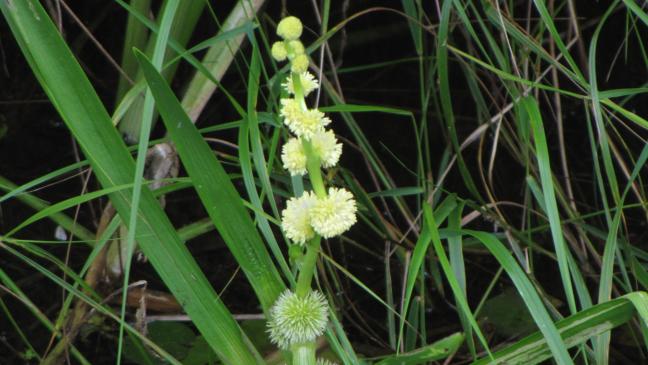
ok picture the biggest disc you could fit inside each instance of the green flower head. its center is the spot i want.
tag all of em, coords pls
(295, 319)
(279, 51)
(290, 28)
(299, 64)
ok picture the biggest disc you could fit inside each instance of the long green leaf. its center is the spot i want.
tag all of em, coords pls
(575, 330)
(437, 351)
(546, 180)
(216, 191)
(528, 294)
(76, 101)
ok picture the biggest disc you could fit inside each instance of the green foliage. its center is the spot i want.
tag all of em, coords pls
(502, 144)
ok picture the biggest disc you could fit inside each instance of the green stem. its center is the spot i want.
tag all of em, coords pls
(304, 354)
(308, 267)
(314, 171)
(299, 90)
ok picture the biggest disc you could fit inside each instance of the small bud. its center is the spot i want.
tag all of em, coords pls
(289, 28)
(296, 48)
(279, 51)
(299, 64)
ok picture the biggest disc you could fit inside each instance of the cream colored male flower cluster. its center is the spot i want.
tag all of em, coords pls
(328, 215)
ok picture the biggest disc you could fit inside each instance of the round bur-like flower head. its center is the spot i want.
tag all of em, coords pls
(290, 110)
(295, 319)
(290, 28)
(293, 157)
(326, 146)
(279, 51)
(299, 64)
(295, 219)
(303, 123)
(308, 83)
(335, 214)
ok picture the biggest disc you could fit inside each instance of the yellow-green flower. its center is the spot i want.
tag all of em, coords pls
(279, 51)
(296, 48)
(302, 122)
(295, 319)
(290, 110)
(308, 83)
(325, 145)
(333, 215)
(327, 148)
(295, 219)
(293, 157)
(290, 28)
(299, 64)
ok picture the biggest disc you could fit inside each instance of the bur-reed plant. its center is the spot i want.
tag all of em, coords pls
(523, 169)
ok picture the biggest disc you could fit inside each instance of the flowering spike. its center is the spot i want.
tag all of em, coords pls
(294, 319)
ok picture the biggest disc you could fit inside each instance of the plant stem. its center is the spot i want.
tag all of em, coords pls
(313, 167)
(308, 266)
(304, 354)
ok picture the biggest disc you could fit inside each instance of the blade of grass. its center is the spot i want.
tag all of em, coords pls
(431, 226)
(216, 191)
(61, 219)
(144, 127)
(575, 330)
(218, 59)
(136, 35)
(439, 350)
(180, 29)
(74, 98)
(527, 292)
(546, 181)
(249, 134)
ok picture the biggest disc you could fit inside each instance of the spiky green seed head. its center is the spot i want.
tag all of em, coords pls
(295, 319)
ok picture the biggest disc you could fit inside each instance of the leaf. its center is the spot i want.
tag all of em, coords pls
(437, 351)
(216, 191)
(574, 330)
(78, 104)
